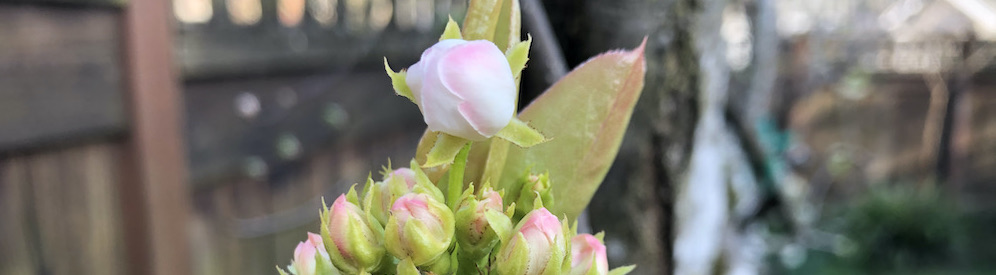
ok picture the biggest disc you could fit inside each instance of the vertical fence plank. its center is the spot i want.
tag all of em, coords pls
(156, 191)
(16, 251)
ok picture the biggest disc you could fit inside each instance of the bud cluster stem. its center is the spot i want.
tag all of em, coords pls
(455, 186)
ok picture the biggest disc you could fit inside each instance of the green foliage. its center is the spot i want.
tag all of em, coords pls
(584, 115)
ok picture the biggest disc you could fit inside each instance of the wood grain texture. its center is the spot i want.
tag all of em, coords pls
(60, 212)
(60, 75)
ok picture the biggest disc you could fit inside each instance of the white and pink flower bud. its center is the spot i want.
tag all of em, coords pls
(310, 257)
(353, 240)
(538, 247)
(420, 228)
(588, 256)
(464, 88)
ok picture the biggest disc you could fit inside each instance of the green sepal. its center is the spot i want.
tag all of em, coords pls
(444, 150)
(352, 197)
(600, 236)
(510, 211)
(406, 267)
(467, 199)
(423, 185)
(281, 270)
(442, 265)
(555, 266)
(452, 31)
(622, 270)
(538, 202)
(398, 81)
(521, 134)
(369, 194)
(518, 54)
(500, 223)
(593, 269)
(515, 261)
(324, 266)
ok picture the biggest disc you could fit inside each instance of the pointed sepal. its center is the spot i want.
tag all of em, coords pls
(452, 31)
(406, 267)
(521, 134)
(517, 56)
(398, 81)
(423, 185)
(501, 224)
(444, 150)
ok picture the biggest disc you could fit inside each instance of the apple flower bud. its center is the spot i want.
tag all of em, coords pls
(420, 228)
(464, 88)
(533, 186)
(473, 231)
(396, 184)
(588, 256)
(310, 258)
(538, 247)
(353, 238)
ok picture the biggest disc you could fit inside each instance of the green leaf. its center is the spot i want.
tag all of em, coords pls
(521, 134)
(452, 31)
(517, 56)
(444, 150)
(584, 115)
(622, 270)
(398, 81)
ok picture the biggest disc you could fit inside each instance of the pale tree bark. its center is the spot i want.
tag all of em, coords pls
(666, 205)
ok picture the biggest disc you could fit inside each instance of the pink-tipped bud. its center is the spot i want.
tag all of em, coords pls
(538, 247)
(383, 194)
(403, 173)
(588, 256)
(356, 240)
(310, 257)
(473, 231)
(420, 228)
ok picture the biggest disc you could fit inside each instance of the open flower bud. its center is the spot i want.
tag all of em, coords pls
(464, 88)
(310, 258)
(539, 246)
(420, 228)
(473, 232)
(353, 238)
(588, 256)
(396, 184)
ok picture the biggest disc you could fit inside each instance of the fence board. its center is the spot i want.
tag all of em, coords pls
(60, 75)
(60, 212)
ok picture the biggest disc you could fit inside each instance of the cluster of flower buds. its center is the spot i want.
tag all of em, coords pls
(422, 235)
(403, 224)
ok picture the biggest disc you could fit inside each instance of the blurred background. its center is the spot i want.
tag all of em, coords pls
(772, 136)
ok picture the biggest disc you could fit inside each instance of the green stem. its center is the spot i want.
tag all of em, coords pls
(455, 187)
